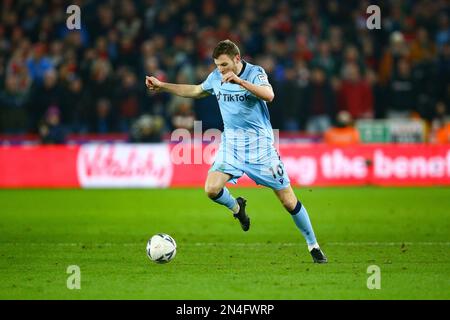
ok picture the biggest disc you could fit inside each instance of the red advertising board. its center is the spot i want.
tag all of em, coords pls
(176, 165)
(39, 166)
(384, 164)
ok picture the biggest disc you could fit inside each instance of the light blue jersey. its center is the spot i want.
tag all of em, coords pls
(240, 108)
(247, 140)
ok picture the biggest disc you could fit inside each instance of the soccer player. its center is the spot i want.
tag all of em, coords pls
(242, 91)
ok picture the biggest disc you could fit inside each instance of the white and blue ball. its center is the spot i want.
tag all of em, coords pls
(161, 248)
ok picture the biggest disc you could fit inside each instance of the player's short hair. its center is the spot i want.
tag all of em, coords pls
(227, 47)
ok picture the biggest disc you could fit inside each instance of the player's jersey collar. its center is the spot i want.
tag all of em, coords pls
(244, 64)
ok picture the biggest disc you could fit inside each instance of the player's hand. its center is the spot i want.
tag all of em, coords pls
(231, 77)
(152, 83)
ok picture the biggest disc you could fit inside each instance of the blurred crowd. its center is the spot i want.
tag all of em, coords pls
(320, 57)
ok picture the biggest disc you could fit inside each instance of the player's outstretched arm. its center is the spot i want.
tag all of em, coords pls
(184, 90)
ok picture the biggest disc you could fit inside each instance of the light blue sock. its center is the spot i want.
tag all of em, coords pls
(301, 219)
(225, 198)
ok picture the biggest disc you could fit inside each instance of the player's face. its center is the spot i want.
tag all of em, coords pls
(225, 64)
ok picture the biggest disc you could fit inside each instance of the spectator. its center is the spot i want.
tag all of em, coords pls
(182, 114)
(319, 102)
(336, 40)
(44, 95)
(104, 21)
(443, 71)
(324, 59)
(147, 129)
(440, 128)
(422, 48)
(379, 93)
(343, 133)
(101, 82)
(352, 56)
(397, 49)
(103, 119)
(13, 104)
(355, 94)
(443, 34)
(50, 130)
(401, 93)
(443, 134)
(127, 99)
(56, 53)
(285, 110)
(75, 106)
(39, 64)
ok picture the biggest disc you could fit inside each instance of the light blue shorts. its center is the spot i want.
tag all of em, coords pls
(267, 170)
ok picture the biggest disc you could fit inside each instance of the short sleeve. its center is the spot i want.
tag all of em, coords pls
(259, 77)
(207, 84)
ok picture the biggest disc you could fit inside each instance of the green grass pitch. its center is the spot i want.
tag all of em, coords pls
(403, 231)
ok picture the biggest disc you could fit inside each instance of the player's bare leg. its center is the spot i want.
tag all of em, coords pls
(287, 198)
(298, 212)
(215, 189)
(215, 182)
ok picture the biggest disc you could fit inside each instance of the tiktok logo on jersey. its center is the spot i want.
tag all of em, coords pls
(235, 97)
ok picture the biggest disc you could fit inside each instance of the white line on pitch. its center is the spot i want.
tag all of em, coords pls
(232, 244)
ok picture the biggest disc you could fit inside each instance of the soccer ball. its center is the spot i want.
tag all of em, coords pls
(161, 248)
